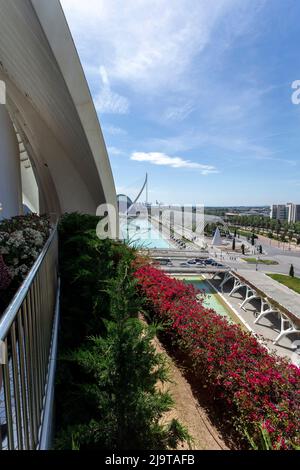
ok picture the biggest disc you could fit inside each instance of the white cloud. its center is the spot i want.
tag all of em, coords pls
(239, 147)
(114, 151)
(107, 101)
(158, 158)
(104, 76)
(151, 44)
(113, 130)
(178, 113)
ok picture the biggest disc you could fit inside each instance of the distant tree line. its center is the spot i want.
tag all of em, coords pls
(281, 230)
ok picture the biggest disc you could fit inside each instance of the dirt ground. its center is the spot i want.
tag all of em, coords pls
(189, 412)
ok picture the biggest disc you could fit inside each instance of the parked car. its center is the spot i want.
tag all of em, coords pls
(165, 262)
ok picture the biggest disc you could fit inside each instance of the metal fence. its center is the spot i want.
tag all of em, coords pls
(26, 336)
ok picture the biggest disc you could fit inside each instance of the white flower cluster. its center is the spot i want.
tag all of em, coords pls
(22, 245)
(19, 271)
(35, 236)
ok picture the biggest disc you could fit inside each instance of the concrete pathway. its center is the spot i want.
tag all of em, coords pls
(268, 328)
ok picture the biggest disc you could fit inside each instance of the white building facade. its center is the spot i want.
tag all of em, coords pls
(294, 213)
(289, 212)
(279, 212)
(53, 157)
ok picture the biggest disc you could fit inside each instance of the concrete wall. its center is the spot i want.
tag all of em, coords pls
(51, 106)
(10, 172)
(30, 189)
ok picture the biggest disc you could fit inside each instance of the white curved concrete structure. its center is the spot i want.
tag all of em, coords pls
(10, 171)
(51, 107)
(30, 188)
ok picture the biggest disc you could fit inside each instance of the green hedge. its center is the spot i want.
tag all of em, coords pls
(108, 369)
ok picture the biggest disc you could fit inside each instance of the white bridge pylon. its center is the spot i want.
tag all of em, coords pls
(287, 325)
(145, 185)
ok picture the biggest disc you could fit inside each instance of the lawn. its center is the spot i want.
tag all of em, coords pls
(241, 232)
(260, 261)
(288, 281)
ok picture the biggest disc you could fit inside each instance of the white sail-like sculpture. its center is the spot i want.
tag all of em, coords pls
(217, 240)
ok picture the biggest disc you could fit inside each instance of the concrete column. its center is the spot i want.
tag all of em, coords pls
(10, 171)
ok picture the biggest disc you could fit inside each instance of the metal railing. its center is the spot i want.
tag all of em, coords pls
(26, 332)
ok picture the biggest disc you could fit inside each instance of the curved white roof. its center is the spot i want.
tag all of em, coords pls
(50, 104)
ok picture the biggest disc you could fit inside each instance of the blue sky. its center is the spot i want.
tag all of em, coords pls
(197, 94)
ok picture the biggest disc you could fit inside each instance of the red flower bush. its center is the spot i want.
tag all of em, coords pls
(255, 386)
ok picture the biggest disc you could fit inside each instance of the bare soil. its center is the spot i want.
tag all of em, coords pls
(189, 411)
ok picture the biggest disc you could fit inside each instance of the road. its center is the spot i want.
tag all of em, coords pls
(284, 257)
(234, 259)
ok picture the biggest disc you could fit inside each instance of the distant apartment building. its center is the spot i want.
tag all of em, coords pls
(279, 212)
(294, 213)
(286, 212)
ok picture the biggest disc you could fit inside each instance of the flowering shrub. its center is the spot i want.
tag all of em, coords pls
(252, 385)
(5, 278)
(21, 241)
(108, 369)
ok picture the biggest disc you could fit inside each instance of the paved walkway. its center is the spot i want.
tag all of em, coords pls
(268, 327)
(176, 253)
(285, 297)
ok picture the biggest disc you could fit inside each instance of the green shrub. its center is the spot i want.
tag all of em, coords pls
(265, 441)
(86, 263)
(108, 369)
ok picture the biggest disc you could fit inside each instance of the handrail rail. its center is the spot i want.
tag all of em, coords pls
(10, 313)
(28, 333)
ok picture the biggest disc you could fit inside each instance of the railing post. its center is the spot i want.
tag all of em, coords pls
(27, 328)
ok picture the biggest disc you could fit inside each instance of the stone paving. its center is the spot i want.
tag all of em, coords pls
(281, 294)
(268, 327)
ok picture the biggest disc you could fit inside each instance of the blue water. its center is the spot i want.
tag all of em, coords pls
(141, 233)
(211, 299)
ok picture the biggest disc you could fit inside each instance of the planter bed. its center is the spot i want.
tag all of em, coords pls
(250, 386)
(21, 241)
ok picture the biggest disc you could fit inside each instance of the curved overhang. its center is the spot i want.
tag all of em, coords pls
(50, 104)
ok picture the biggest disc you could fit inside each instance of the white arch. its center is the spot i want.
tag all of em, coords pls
(50, 104)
